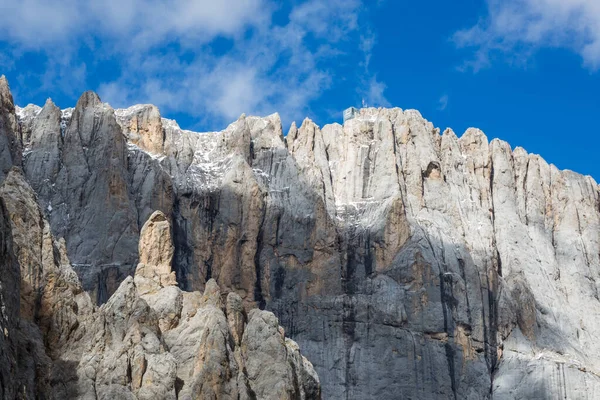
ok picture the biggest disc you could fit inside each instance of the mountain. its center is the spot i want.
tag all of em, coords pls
(404, 262)
(150, 340)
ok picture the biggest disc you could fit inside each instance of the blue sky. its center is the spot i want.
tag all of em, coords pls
(525, 71)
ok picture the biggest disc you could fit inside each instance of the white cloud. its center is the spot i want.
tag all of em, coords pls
(276, 69)
(371, 89)
(366, 44)
(165, 54)
(373, 93)
(516, 28)
(443, 102)
(34, 24)
(315, 16)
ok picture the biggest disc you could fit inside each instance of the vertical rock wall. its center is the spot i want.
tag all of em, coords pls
(405, 262)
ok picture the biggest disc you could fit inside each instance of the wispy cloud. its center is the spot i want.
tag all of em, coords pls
(514, 29)
(35, 24)
(371, 89)
(274, 69)
(165, 53)
(443, 103)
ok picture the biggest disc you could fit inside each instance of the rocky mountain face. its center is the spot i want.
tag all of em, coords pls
(150, 340)
(404, 262)
(10, 143)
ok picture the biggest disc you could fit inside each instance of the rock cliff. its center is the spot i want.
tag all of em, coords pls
(150, 340)
(405, 262)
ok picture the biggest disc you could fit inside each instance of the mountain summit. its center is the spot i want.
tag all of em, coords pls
(405, 262)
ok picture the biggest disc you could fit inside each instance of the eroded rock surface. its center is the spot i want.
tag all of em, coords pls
(77, 164)
(9, 308)
(50, 293)
(387, 250)
(404, 261)
(150, 340)
(153, 341)
(50, 300)
(10, 145)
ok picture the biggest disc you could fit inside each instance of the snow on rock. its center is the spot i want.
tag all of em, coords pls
(29, 111)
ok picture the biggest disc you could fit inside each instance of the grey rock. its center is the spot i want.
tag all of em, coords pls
(236, 316)
(404, 262)
(50, 292)
(148, 341)
(10, 145)
(26, 116)
(9, 308)
(80, 174)
(51, 298)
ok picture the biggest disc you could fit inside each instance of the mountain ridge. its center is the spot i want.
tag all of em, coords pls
(31, 110)
(404, 261)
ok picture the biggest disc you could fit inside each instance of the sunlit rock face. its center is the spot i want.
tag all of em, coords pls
(405, 262)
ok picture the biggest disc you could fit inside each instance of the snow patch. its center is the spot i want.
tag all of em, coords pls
(133, 147)
(65, 119)
(28, 112)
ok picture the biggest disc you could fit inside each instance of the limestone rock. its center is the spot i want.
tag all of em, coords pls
(10, 145)
(156, 255)
(235, 316)
(26, 117)
(77, 164)
(404, 262)
(51, 298)
(138, 345)
(268, 356)
(142, 126)
(9, 308)
(51, 295)
(42, 161)
(143, 345)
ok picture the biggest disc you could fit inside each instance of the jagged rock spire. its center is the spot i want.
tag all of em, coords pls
(10, 145)
(156, 255)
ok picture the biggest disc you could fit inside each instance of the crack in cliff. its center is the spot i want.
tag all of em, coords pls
(447, 297)
(183, 256)
(525, 192)
(396, 158)
(258, 290)
(448, 303)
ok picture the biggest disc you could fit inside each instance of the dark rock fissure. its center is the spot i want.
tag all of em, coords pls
(183, 257)
(366, 171)
(279, 279)
(448, 304)
(258, 293)
(461, 266)
(368, 256)
(208, 265)
(102, 290)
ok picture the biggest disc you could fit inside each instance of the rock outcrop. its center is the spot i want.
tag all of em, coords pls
(405, 262)
(150, 340)
(143, 127)
(10, 145)
(50, 300)
(383, 247)
(77, 162)
(9, 308)
(153, 341)
(156, 255)
(50, 293)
